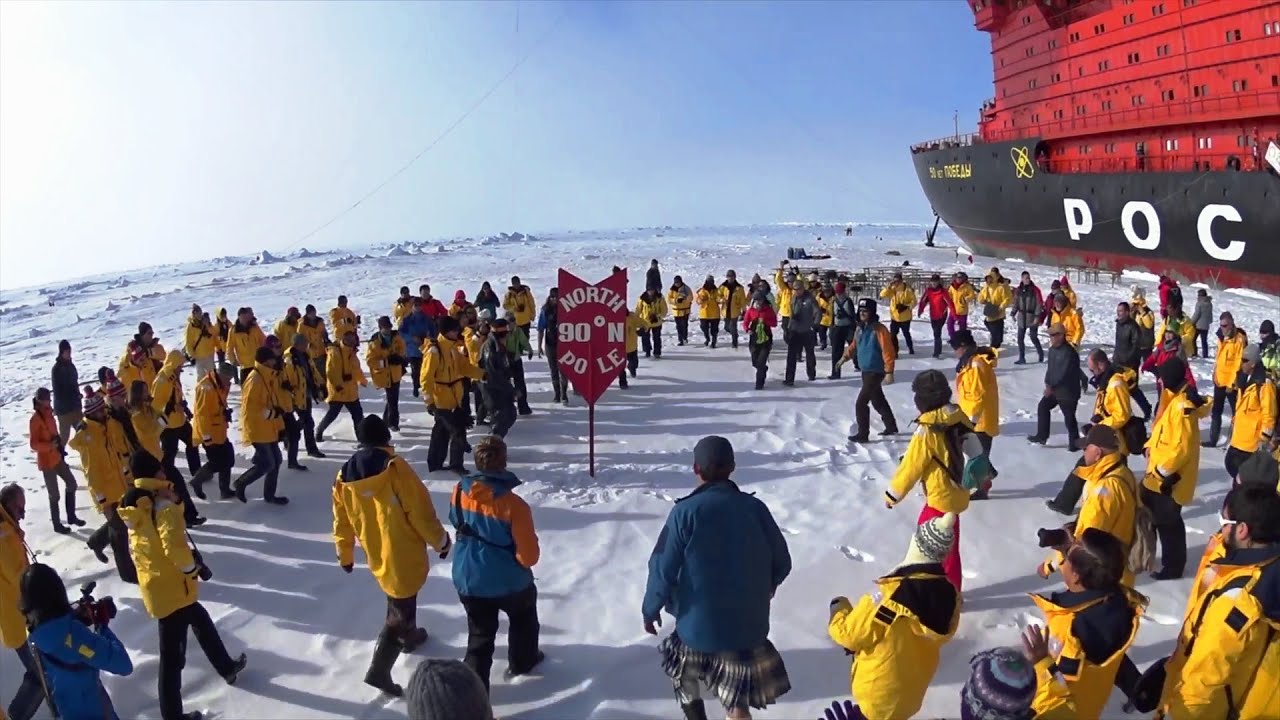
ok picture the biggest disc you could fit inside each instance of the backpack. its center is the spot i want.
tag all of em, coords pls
(1175, 295)
(1134, 433)
(1142, 552)
(967, 465)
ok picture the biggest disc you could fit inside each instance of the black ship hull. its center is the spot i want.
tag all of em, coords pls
(1219, 227)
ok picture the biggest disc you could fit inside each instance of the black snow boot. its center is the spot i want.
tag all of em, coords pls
(58, 527)
(695, 710)
(71, 512)
(413, 640)
(384, 657)
(237, 667)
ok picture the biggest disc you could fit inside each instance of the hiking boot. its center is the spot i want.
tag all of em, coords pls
(236, 668)
(1020, 361)
(99, 553)
(1037, 439)
(197, 521)
(415, 639)
(277, 500)
(860, 438)
(1060, 510)
(511, 672)
(315, 453)
(1166, 575)
(384, 656)
(295, 465)
(197, 487)
(695, 710)
(237, 489)
(59, 528)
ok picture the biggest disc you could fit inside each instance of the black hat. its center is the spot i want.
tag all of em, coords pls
(499, 324)
(1173, 373)
(384, 321)
(867, 304)
(713, 451)
(963, 338)
(144, 465)
(931, 390)
(264, 355)
(449, 324)
(1266, 328)
(1104, 437)
(373, 432)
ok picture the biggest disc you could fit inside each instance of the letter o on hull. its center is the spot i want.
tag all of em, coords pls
(1148, 211)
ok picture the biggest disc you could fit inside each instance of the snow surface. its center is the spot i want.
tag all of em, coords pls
(309, 628)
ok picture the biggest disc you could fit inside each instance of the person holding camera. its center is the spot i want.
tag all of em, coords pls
(14, 559)
(51, 460)
(345, 378)
(167, 572)
(73, 644)
(379, 501)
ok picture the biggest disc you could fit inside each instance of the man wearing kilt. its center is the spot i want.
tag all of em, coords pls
(724, 543)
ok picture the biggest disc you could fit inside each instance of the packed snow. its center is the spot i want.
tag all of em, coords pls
(309, 629)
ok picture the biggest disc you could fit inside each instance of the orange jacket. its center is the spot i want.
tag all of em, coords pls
(45, 439)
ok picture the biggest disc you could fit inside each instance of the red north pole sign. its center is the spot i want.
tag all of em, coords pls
(591, 339)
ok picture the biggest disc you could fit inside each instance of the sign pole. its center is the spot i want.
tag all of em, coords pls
(591, 438)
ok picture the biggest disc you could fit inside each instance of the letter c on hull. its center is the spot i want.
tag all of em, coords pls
(1204, 229)
(1133, 207)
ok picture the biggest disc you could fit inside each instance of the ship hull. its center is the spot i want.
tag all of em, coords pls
(1220, 228)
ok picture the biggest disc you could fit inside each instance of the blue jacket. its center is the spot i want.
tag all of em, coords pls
(715, 567)
(870, 354)
(414, 328)
(72, 656)
(496, 546)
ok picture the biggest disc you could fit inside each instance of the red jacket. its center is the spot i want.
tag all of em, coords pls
(434, 309)
(939, 302)
(1158, 357)
(764, 314)
(45, 440)
(1166, 284)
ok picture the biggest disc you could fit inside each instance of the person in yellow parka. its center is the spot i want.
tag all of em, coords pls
(443, 368)
(222, 330)
(385, 356)
(1253, 422)
(1173, 464)
(902, 300)
(169, 577)
(169, 400)
(634, 327)
(243, 342)
(1181, 325)
(996, 298)
(962, 295)
(1089, 628)
(733, 301)
(1227, 661)
(313, 329)
(1069, 317)
(1231, 344)
(344, 378)
(403, 305)
(380, 502)
(343, 319)
(15, 557)
(200, 341)
(978, 394)
(520, 301)
(474, 336)
(288, 325)
(896, 634)
(709, 311)
(652, 309)
(784, 278)
(261, 422)
(103, 449)
(825, 297)
(210, 425)
(147, 423)
(1146, 320)
(137, 367)
(680, 300)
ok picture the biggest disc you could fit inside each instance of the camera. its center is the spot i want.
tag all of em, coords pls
(91, 611)
(1054, 538)
(202, 571)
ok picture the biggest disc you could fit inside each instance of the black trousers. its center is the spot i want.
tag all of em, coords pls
(710, 331)
(821, 330)
(114, 533)
(1022, 342)
(995, 328)
(937, 325)
(30, 695)
(244, 373)
(415, 370)
(1235, 456)
(1068, 406)
(522, 389)
(895, 327)
(482, 410)
(391, 412)
(1171, 531)
(633, 364)
(801, 341)
(291, 435)
(760, 361)
(221, 458)
(502, 411)
(266, 466)
(169, 440)
(1143, 403)
(682, 329)
(1072, 489)
(521, 609)
(731, 327)
(331, 414)
(840, 336)
(448, 440)
(872, 394)
(1221, 398)
(651, 340)
(402, 617)
(785, 322)
(1203, 337)
(559, 382)
(308, 427)
(173, 653)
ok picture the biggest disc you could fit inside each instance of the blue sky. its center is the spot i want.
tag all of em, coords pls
(141, 133)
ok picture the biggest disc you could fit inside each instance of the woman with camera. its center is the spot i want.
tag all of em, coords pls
(73, 644)
(14, 559)
(167, 572)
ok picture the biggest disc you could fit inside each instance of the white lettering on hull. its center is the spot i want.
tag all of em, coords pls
(1079, 219)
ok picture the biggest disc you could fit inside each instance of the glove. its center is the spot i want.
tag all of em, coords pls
(840, 711)
(395, 359)
(431, 410)
(1085, 428)
(1167, 481)
(1095, 419)
(448, 545)
(888, 379)
(346, 569)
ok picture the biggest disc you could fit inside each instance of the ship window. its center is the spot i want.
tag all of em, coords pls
(1073, 37)
(1026, 19)
(1171, 145)
(1204, 143)
(1104, 65)
(1275, 81)
(1057, 114)
(1137, 100)
(1233, 36)
(1134, 57)
(1032, 83)
(1244, 141)
(1239, 85)
(1035, 117)
(1029, 51)
(1056, 77)
(1188, 3)
(1166, 95)
(1053, 43)
(1106, 104)
(1200, 91)
(1157, 10)
(1162, 50)
(1081, 109)
(1128, 19)
(1080, 71)
(1099, 28)
(1109, 147)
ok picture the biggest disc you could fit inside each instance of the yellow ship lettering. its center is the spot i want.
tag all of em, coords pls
(1022, 165)
(953, 171)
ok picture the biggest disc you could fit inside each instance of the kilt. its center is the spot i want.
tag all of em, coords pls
(753, 678)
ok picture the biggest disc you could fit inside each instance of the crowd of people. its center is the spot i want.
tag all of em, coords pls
(466, 361)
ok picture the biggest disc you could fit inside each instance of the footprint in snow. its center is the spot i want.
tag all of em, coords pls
(855, 554)
(1159, 619)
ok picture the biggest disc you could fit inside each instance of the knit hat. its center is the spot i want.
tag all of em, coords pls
(1173, 373)
(373, 432)
(1260, 468)
(760, 296)
(1253, 353)
(63, 346)
(115, 388)
(931, 390)
(963, 338)
(931, 541)
(272, 342)
(43, 393)
(1002, 686)
(1060, 297)
(1104, 437)
(460, 296)
(486, 314)
(446, 690)
(93, 401)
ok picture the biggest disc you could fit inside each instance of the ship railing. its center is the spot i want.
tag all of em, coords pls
(1243, 161)
(950, 141)
(1199, 110)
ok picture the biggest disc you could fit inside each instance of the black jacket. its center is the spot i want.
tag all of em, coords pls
(1063, 373)
(1128, 341)
(653, 279)
(66, 387)
(496, 363)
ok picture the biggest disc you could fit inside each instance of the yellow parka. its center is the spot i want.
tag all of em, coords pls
(1112, 406)
(222, 328)
(634, 326)
(1255, 417)
(343, 375)
(286, 329)
(896, 637)
(734, 302)
(995, 296)
(680, 300)
(1230, 355)
(13, 562)
(400, 310)
(209, 420)
(444, 365)
(920, 464)
(1144, 317)
(166, 392)
(902, 301)
(200, 339)
(1227, 660)
(1185, 330)
(102, 446)
(783, 290)
(343, 320)
(147, 425)
(1110, 504)
(961, 296)
(379, 501)
(1174, 447)
(520, 302)
(378, 355)
(1072, 321)
(243, 343)
(260, 420)
(315, 335)
(291, 386)
(977, 391)
(129, 373)
(708, 304)
(652, 313)
(473, 342)
(827, 304)
(158, 544)
(1071, 685)
(1072, 300)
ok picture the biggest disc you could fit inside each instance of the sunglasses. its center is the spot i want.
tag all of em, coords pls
(1055, 334)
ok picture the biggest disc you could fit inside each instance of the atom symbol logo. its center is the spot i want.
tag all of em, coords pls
(1022, 164)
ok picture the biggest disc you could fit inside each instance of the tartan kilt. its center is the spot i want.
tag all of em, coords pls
(753, 678)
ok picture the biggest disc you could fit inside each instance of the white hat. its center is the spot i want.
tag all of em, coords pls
(931, 541)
